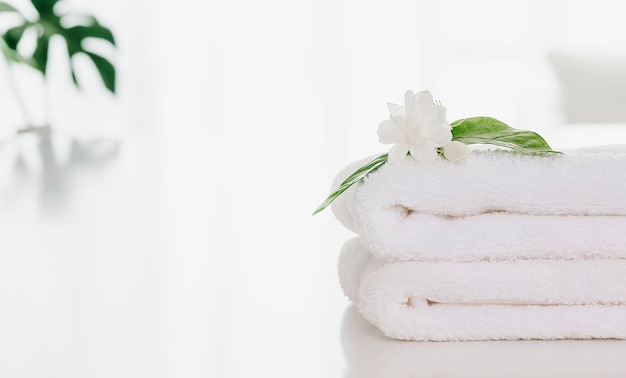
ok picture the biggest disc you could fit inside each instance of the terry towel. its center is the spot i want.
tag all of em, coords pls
(482, 300)
(494, 205)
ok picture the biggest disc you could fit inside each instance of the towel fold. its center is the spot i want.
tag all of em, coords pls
(495, 205)
(482, 300)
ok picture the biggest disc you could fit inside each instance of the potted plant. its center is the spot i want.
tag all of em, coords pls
(52, 22)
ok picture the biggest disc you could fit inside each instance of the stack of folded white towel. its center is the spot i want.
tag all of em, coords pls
(499, 246)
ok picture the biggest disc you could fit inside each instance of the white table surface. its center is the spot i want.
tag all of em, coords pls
(155, 262)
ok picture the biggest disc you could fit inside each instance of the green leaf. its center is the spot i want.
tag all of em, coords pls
(487, 130)
(73, 72)
(41, 54)
(4, 7)
(13, 35)
(106, 70)
(50, 22)
(81, 32)
(44, 7)
(14, 57)
(354, 178)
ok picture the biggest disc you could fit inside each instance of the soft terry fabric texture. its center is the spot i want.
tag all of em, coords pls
(494, 205)
(482, 300)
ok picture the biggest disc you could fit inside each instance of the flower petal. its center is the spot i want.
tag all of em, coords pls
(441, 112)
(423, 105)
(394, 108)
(399, 117)
(397, 153)
(390, 132)
(423, 153)
(438, 135)
(410, 105)
(435, 117)
(409, 99)
(455, 151)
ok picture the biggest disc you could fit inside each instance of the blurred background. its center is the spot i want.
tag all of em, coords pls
(166, 230)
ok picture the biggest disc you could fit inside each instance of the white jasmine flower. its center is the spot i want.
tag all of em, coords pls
(455, 151)
(417, 128)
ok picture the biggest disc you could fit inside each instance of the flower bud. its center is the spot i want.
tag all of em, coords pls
(455, 151)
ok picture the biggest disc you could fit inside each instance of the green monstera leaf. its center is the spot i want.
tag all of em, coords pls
(49, 23)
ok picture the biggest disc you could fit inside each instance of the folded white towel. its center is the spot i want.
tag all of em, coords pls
(483, 300)
(371, 355)
(494, 205)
